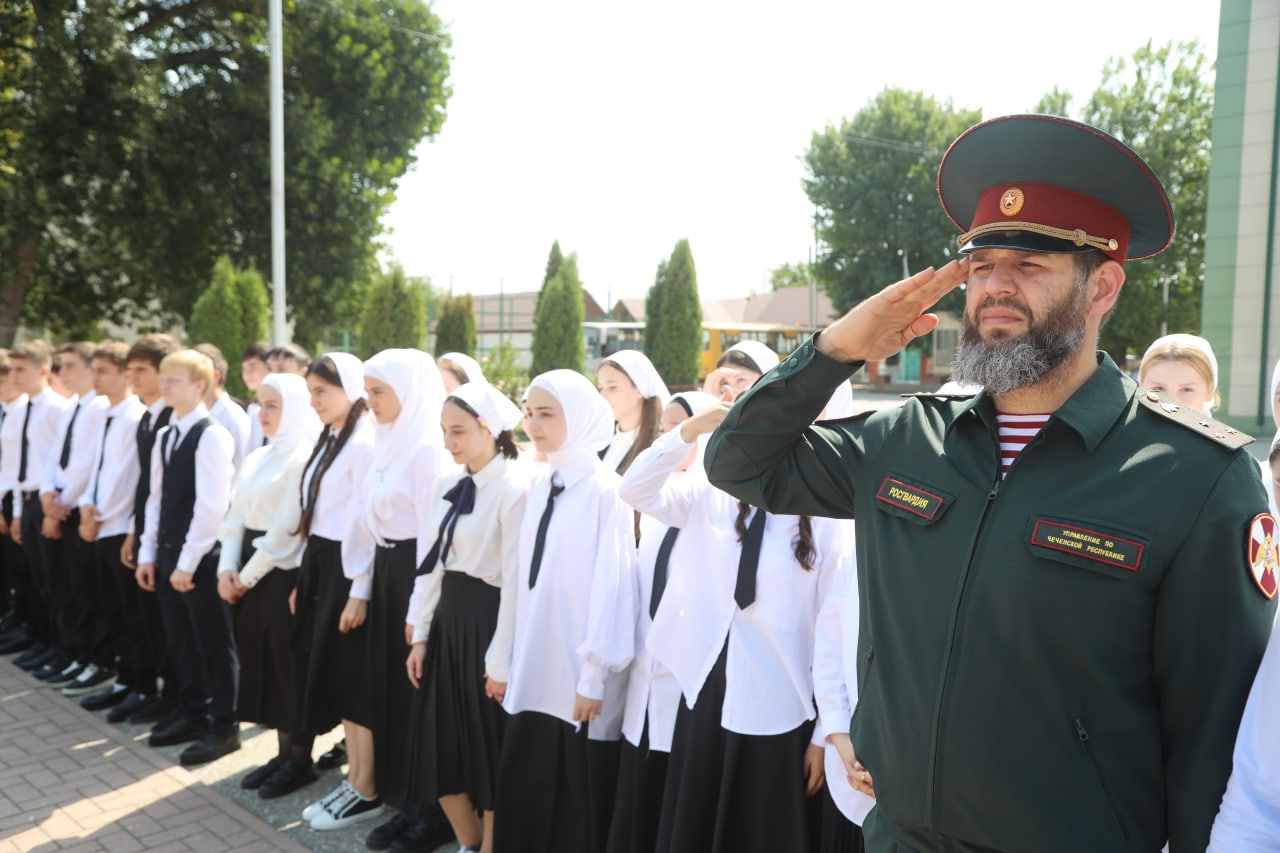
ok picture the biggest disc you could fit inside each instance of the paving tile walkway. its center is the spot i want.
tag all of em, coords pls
(71, 781)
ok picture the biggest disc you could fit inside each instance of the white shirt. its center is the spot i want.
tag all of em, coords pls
(619, 448)
(266, 497)
(575, 630)
(835, 680)
(215, 466)
(485, 546)
(395, 505)
(44, 440)
(228, 413)
(1249, 819)
(652, 689)
(342, 480)
(11, 445)
(90, 412)
(114, 477)
(769, 683)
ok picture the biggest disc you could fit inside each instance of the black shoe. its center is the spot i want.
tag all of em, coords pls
(335, 757)
(57, 670)
(385, 834)
(104, 699)
(131, 704)
(69, 673)
(35, 657)
(423, 836)
(255, 777)
(161, 712)
(17, 640)
(287, 778)
(215, 743)
(90, 680)
(180, 730)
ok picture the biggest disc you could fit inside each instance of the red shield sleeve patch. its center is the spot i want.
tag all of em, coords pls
(1264, 552)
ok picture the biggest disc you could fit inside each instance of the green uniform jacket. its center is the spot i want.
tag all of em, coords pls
(1053, 662)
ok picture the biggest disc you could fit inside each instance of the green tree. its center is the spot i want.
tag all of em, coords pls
(790, 275)
(676, 329)
(501, 366)
(255, 313)
(216, 319)
(653, 307)
(394, 314)
(456, 328)
(1160, 103)
(873, 181)
(134, 149)
(554, 259)
(557, 322)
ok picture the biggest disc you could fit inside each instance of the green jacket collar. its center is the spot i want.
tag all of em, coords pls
(1091, 411)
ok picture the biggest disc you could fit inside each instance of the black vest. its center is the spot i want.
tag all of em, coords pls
(178, 491)
(146, 442)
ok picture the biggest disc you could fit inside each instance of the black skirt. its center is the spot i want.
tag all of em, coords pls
(393, 693)
(262, 638)
(331, 668)
(642, 775)
(731, 792)
(458, 730)
(838, 833)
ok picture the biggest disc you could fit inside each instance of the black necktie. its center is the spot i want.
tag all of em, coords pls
(145, 425)
(540, 541)
(97, 477)
(65, 457)
(744, 591)
(462, 500)
(660, 569)
(171, 439)
(22, 466)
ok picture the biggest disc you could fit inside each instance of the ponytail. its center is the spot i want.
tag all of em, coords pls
(309, 497)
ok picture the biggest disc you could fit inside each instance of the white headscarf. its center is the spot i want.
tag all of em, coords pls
(298, 421)
(412, 374)
(765, 358)
(841, 403)
(1191, 342)
(351, 372)
(497, 413)
(641, 372)
(469, 365)
(694, 402)
(587, 417)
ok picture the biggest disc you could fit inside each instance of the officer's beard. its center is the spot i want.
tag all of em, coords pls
(1002, 364)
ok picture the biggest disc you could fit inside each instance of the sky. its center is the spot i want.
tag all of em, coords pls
(619, 129)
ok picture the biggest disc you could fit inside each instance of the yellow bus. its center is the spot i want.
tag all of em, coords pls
(718, 337)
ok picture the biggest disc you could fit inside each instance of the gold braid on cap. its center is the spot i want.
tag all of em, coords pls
(1078, 236)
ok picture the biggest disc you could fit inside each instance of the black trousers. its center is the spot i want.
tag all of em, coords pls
(26, 601)
(73, 593)
(113, 626)
(42, 616)
(198, 626)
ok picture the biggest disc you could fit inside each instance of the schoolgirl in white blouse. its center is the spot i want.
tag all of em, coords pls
(736, 628)
(653, 694)
(453, 614)
(260, 549)
(331, 640)
(636, 394)
(405, 393)
(574, 597)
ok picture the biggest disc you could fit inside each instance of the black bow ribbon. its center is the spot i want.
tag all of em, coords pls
(462, 500)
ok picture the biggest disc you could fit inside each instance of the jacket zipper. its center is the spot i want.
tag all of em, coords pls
(1083, 735)
(934, 800)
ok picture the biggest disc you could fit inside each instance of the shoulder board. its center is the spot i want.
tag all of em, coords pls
(1194, 420)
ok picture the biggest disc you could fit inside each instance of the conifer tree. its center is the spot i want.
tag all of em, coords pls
(673, 335)
(394, 314)
(456, 328)
(218, 318)
(557, 322)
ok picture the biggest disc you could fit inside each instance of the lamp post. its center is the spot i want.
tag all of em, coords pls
(275, 41)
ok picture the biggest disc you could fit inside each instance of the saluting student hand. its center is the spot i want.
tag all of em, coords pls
(182, 581)
(881, 325)
(146, 576)
(584, 709)
(815, 772)
(706, 421)
(495, 690)
(353, 614)
(413, 663)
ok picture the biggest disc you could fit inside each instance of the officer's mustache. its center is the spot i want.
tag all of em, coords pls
(1006, 302)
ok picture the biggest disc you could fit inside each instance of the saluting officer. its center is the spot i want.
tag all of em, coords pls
(1062, 606)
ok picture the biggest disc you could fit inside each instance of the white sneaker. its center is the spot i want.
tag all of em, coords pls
(319, 805)
(345, 811)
